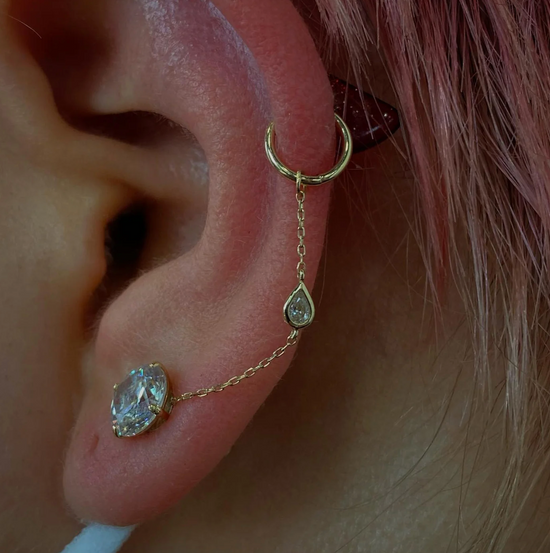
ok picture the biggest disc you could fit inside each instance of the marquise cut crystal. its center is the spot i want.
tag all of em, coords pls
(143, 389)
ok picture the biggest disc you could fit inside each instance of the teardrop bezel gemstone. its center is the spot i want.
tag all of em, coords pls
(154, 411)
(300, 290)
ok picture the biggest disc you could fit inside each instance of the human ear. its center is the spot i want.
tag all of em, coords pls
(209, 307)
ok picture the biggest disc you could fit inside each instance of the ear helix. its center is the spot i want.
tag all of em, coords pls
(144, 399)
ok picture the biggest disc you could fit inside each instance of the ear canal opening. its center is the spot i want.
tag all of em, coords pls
(125, 238)
(124, 241)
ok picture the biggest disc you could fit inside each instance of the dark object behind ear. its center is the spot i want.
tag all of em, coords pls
(369, 119)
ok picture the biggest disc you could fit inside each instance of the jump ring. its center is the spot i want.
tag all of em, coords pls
(309, 179)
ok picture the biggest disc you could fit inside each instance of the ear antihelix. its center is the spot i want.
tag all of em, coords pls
(144, 399)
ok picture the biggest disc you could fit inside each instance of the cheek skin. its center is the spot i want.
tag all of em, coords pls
(51, 252)
(39, 341)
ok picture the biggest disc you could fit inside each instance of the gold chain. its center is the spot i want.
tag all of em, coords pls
(301, 215)
(234, 380)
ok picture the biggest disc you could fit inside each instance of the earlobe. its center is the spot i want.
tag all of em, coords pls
(211, 313)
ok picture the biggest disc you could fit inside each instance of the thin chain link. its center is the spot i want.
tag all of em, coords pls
(234, 380)
(301, 233)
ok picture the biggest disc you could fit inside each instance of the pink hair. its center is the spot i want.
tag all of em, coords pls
(473, 81)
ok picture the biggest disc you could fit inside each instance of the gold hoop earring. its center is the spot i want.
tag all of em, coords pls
(309, 180)
(144, 399)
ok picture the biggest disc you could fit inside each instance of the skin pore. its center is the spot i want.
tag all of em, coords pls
(375, 439)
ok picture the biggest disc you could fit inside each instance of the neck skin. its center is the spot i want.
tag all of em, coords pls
(371, 441)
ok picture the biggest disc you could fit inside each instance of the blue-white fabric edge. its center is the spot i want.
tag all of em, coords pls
(98, 538)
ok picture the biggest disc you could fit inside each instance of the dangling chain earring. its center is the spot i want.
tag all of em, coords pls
(144, 399)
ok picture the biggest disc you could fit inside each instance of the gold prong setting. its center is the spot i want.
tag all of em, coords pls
(155, 409)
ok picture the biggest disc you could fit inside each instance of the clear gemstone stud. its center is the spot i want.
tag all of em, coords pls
(141, 402)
